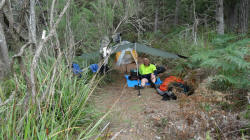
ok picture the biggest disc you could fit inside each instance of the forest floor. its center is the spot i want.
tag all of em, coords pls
(149, 118)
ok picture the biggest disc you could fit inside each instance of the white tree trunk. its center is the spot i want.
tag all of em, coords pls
(156, 20)
(220, 17)
(32, 23)
(195, 25)
(4, 56)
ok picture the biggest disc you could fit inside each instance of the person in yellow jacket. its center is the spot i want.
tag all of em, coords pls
(147, 73)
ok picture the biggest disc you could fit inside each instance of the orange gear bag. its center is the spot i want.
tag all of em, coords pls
(169, 80)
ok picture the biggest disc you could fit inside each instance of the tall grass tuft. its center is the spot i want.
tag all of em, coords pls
(61, 110)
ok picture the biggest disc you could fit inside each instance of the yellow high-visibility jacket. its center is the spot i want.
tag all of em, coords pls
(143, 70)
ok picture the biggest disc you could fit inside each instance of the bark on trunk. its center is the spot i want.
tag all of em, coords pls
(156, 17)
(32, 23)
(4, 57)
(220, 17)
(233, 17)
(176, 16)
(195, 25)
(243, 16)
(9, 15)
(2, 3)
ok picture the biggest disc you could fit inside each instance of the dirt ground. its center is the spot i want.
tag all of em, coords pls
(148, 117)
(133, 116)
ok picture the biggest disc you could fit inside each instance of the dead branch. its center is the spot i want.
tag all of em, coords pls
(21, 51)
(104, 128)
(39, 49)
(22, 67)
(124, 19)
(116, 134)
(8, 100)
(52, 13)
(2, 4)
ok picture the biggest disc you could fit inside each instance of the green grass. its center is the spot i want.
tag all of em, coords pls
(63, 113)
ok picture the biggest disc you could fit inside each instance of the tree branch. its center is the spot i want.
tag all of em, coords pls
(2, 4)
(52, 14)
(39, 49)
(8, 100)
(21, 51)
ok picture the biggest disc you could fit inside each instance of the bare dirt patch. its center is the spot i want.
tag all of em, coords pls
(134, 116)
(149, 118)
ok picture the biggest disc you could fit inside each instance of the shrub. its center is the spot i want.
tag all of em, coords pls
(226, 59)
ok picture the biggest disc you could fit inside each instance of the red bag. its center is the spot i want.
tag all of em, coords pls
(169, 80)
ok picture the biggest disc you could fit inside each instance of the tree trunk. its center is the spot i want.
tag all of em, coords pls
(4, 56)
(176, 16)
(220, 17)
(156, 17)
(233, 17)
(2, 3)
(243, 16)
(32, 23)
(195, 25)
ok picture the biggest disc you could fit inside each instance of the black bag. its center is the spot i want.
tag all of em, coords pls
(160, 69)
(133, 75)
(104, 69)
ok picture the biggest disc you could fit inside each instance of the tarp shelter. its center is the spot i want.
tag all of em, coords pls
(128, 46)
(142, 49)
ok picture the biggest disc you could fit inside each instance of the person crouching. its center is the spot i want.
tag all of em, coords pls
(147, 73)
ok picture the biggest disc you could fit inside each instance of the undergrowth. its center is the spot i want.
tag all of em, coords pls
(226, 57)
(61, 110)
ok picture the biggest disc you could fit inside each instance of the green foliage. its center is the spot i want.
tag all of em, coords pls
(247, 113)
(226, 59)
(208, 137)
(90, 21)
(63, 114)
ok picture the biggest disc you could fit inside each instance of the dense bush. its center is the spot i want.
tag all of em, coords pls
(226, 57)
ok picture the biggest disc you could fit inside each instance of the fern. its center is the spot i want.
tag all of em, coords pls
(227, 59)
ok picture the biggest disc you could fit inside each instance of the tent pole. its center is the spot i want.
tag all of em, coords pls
(136, 61)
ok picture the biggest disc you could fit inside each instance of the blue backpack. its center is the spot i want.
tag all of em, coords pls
(76, 69)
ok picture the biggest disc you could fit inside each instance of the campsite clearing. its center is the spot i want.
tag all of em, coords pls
(149, 118)
(133, 115)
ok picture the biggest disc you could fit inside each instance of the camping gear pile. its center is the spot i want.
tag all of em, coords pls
(133, 83)
(170, 83)
(133, 72)
(126, 53)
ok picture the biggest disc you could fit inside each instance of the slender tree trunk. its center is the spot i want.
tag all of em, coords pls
(233, 17)
(243, 16)
(176, 16)
(156, 17)
(4, 57)
(220, 17)
(2, 3)
(32, 23)
(195, 25)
